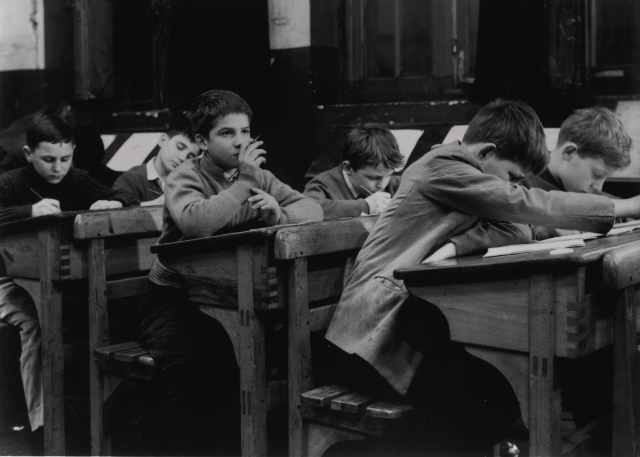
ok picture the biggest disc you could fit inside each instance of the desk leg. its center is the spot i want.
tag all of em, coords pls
(98, 337)
(544, 392)
(299, 351)
(253, 393)
(52, 349)
(625, 374)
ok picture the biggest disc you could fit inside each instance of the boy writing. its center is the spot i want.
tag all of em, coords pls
(146, 182)
(363, 182)
(592, 145)
(442, 195)
(223, 189)
(47, 185)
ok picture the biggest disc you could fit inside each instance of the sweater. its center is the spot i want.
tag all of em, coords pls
(441, 195)
(200, 201)
(135, 182)
(76, 192)
(330, 189)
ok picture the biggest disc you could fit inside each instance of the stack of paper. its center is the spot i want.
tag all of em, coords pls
(533, 247)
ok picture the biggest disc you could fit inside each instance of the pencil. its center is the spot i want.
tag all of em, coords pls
(366, 190)
(156, 192)
(37, 194)
(256, 138)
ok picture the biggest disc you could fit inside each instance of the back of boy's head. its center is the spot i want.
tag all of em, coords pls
(371, 144)
(514, 127)
(208, 107)
(181, 127)
(49, 128)
(597, 132)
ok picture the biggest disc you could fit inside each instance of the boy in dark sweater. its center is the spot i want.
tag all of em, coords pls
(48, 185)
(362, 184)
(224, 189)
(146, 182)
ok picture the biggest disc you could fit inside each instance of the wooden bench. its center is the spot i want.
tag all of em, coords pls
(319, 260)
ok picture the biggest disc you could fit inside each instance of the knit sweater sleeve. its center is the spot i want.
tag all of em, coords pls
(334, 208)
(12, 207)
(196, 215)
(295, 206)
(93, 190)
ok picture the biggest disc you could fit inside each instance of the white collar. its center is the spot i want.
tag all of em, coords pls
(349, 185)
(152, 173)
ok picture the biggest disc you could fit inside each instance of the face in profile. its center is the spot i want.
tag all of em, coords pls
(173, 151)
(51, 161)
(226, 137)
(369, 177)
(583, 174)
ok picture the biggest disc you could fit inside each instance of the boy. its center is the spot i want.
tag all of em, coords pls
(224, 189)
(592, 145)
(363, 182)
(48, 185)
(146, 182)
(441, 195)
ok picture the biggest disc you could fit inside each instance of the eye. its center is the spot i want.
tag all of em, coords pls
(66, 159)
(181, 147)
(225, 133)
(246, 132)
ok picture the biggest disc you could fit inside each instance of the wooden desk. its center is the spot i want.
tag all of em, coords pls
(42, 254)
(520, 312)
(239, 278)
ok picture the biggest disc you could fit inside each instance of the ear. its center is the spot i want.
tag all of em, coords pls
(347, 167)
(201, 142)
(27, 153)
(485, 150)
(163, 139)
(569, 150)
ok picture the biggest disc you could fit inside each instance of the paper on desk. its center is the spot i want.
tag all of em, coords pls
(617, 229)
(533, 247)
(407, 140)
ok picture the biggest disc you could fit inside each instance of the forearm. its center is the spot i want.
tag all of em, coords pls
(491, 234)
(14, 213)
(337, 209)
(304, 210)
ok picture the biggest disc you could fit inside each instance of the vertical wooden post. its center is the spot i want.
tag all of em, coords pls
(544, 392)
(299, 351)
(98, 337)
(253, 406)
(625, 374)
(52, 344)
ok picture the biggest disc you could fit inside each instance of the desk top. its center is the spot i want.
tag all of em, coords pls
(540, 262)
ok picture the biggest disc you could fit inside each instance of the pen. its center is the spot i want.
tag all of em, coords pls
(37, 194)
(256, 138)
(156, 192)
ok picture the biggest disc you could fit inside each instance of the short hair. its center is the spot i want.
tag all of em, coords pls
(597, 132)
(181, 127)
(514, 127)
(371, 144)
(211, 105)
(49, 128)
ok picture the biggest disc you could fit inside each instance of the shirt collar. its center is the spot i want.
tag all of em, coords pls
(209, 166)
(152, 173)
(232, 177)
(348, 181)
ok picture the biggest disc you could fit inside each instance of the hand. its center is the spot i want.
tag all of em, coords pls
(447, 251)
(251, 158)
(378, 202)
(105, 204)
(155, 202)
(268, 207)
(45, 206)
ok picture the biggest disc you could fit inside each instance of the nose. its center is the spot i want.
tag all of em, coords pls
(56, 166)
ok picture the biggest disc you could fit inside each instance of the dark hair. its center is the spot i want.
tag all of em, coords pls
(181, 127)
(371, 144)
(516, 131)
(597, 132)
(48, 128)
(209, 106)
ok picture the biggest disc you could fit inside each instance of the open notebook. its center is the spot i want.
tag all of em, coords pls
(567, 241)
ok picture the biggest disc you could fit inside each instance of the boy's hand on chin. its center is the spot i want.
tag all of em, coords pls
(251, 158)
(447, 251)
(268, 207)
(45, 206)
(106, 204)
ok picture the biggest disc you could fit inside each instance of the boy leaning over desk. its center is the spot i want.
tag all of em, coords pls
(224, 189)
(391, 343)
(47, 185)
